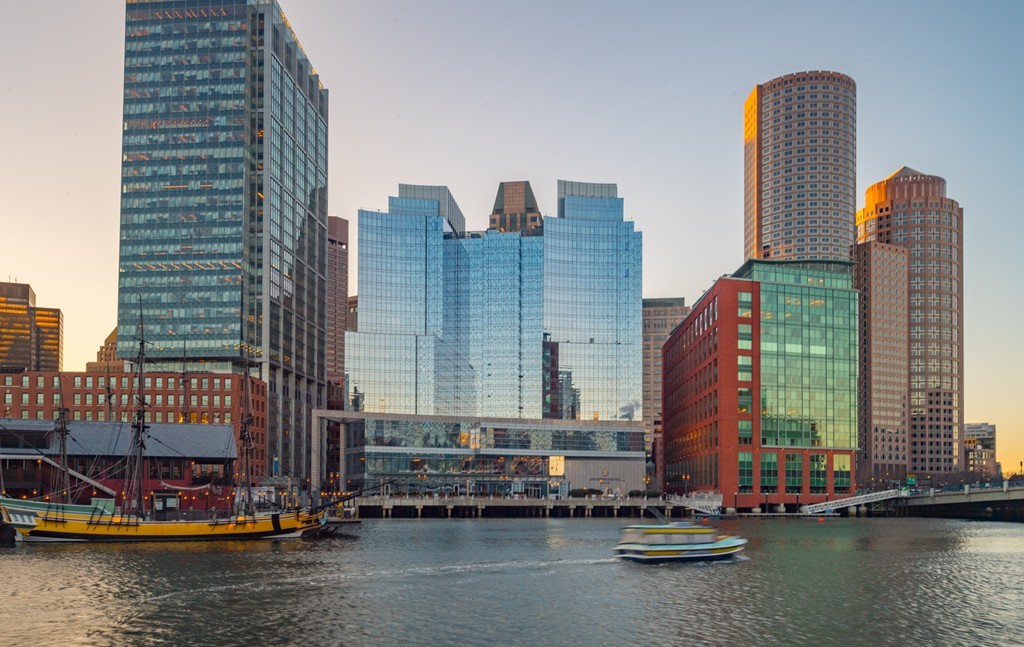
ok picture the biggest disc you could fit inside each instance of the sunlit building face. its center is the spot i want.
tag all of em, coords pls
(800, 161)
(910, 209)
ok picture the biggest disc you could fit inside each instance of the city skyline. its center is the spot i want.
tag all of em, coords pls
(649, 97)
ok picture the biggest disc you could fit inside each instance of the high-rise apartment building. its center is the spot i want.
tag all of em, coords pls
(504, 359)
(223, 252)
(760, 387)
(910, 209)
(515, 208)
(800, 167)
(880, 273)
(337, 297)
(31, 337)
(660, 317)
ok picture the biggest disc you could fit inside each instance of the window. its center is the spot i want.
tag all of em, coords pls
(746, 471)
(769, 472)
(745, 337)
(841, 473)
(746, 304)
(746, 432)
(744, 400)
(794, 473)
(744, 368)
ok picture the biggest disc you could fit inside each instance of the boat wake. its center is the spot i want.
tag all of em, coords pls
(315, 579)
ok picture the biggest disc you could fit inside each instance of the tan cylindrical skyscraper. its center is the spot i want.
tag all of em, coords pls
(910, 209)
(800, 167)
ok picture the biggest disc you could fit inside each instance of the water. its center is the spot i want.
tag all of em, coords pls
(528, 582)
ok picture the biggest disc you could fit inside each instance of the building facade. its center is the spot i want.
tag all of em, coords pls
(910, 209)
(660, 317)
(223, 253)
(184, 467)
(760, 387)
(109, 396)
(515, 208)
(337, 297)
(106, 357)
(497, 345)
(880, 273)
(980, 450)
(31, 337)
(800, 167)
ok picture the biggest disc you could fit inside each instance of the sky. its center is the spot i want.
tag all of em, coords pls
(648, 95)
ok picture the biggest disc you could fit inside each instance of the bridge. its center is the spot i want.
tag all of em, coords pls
(995, 502)
(703, 502)
(998, 501)
(853, 501)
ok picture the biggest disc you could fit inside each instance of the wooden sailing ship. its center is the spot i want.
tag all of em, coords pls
(57, 519)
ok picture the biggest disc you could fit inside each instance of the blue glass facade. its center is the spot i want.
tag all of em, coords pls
(592, 301)
(224, 202)
(462, 329)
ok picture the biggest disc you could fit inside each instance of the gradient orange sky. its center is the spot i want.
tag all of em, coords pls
(648, 95)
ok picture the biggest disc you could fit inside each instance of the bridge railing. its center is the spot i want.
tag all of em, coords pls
(706, 502)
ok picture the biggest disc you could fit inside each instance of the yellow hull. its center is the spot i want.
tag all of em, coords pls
(75, 527)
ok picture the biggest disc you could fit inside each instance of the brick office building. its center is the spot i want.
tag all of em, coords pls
(760, 385)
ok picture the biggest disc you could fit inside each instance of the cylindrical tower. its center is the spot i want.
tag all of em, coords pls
(910, 209)
(800, 167)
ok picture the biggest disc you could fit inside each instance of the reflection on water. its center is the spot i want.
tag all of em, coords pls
(528, 582)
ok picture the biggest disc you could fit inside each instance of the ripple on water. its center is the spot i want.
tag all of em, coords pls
(529, 582)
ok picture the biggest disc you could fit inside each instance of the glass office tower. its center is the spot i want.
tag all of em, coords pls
(593, 307)
(491, 359)
(224, 203)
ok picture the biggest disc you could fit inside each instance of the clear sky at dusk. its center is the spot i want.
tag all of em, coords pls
(648, 95)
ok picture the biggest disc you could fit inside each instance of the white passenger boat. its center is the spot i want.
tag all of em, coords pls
(676, 541)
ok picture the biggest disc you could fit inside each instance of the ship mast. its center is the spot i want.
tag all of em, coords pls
(139, 427)
(63, 479)
(245, 434)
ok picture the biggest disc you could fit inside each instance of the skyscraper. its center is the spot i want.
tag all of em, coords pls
(661, 316)
(223, 251)
(800, 167)
(31, 337)
(337, 297)
(505, 358)
(881, 280)
(910, 209)
(515, 208)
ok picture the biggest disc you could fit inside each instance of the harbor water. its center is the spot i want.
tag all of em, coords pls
(528, 582)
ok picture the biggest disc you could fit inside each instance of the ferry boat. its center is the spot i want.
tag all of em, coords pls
(676, 541)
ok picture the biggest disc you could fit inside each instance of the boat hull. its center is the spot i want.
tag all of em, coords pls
(722, 549)
(70, 527)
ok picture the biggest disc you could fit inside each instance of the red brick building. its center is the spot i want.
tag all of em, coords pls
(759, 388)
(201, 398)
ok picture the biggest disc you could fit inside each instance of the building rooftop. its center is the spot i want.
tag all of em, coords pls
(93, 438)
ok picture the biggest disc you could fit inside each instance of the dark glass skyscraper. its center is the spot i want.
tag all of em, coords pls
(224, 202)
